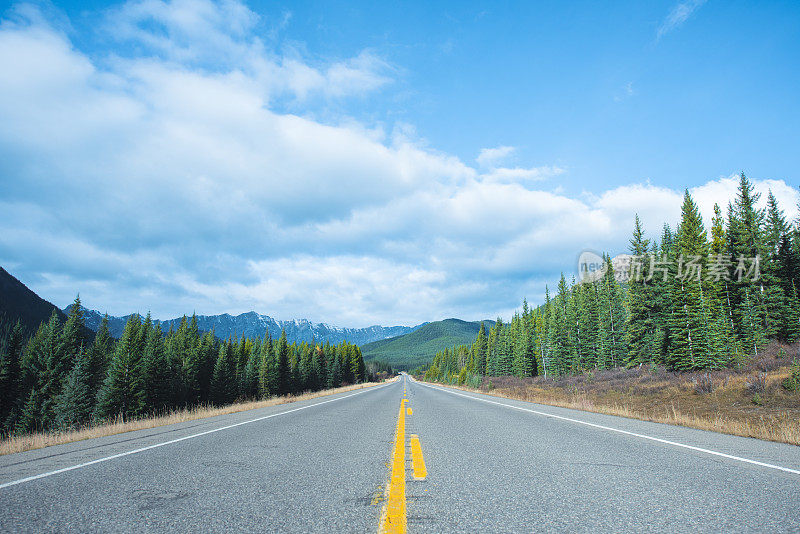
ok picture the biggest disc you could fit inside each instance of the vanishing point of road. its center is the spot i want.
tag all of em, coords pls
(405, 455)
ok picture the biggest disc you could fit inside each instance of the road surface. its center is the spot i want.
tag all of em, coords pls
(322, 465)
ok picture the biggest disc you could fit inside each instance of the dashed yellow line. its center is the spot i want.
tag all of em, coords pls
(418, 462)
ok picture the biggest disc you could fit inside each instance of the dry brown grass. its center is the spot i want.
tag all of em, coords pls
(722, 401)
(38, 440)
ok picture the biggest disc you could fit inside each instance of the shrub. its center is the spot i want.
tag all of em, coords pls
(757, 383)
(793, 382)
(473, 381)
(704, 384)
(757, 400)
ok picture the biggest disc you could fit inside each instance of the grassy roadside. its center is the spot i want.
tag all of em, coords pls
(749, 400)
(38, 440)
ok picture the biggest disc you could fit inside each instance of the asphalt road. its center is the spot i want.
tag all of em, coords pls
(493, 465)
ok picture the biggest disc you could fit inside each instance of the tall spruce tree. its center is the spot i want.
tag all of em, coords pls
(75, 404)
(641, 333)
(11, 347)
(123, 391)
(223, 383)
(282, 366)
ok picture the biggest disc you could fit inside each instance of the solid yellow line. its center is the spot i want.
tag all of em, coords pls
(394, 516)
(420, 472)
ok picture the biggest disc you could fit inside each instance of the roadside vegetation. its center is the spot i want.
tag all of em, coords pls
(680, 338)
(61, 381)
(758, 400)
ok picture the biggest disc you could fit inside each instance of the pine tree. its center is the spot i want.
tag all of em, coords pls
(123, 392)
(73, 338)
(752, 332)
(641, 333)
(100, 353)
(588, 325)
(10, 376)
(335, 376)
(694, 343)
(611, 318)
(251, 374)
(223, 382)
(75, 404)
(282, 369)
(773, 292)
(53, 367)
(746, 241)
(319, 366)
(268, 374)
(160, 375)
(32, 415)
(480, 348)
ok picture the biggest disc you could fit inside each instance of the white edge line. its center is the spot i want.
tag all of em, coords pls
(620, 431)
(155, 446)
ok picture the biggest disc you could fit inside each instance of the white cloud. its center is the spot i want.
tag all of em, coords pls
(168, 181)
(490, 157)
(723, 190)
(679, 14)
(519, 174)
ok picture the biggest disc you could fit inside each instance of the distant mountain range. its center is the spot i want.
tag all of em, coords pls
(252, 324)
(418, 347)
(404, 347)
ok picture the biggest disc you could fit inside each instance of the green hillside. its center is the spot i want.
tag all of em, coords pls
(418, 347)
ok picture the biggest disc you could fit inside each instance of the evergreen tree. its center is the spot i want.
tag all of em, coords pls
(282, 370)
(268, 373)
(123, 392)
(746, 242)
(72, 338)
(335, 376)
(10, 376)
(479, 348)
(773, 292)
(75, 404)
(52, 367)
(640, 331)
(223, 382)
(611, 318)
(252, 374)
(32, 415)
(99, 353)
(161, 376)
(694, 344)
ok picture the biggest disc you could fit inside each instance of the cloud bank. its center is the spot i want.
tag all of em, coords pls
(167, 175)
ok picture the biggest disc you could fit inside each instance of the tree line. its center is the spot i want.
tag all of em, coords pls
(59, 379)
(690, 300)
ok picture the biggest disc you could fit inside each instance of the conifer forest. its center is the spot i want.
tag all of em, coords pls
(59, 380)
(693, 299)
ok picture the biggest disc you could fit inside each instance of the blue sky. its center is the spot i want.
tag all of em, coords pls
(361, 163)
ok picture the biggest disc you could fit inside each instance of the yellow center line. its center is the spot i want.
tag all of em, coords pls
(394, 515)
(418, 462)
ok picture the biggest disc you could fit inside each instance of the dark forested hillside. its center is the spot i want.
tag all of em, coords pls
(418, 347)
(17, 302)
(690, 300)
